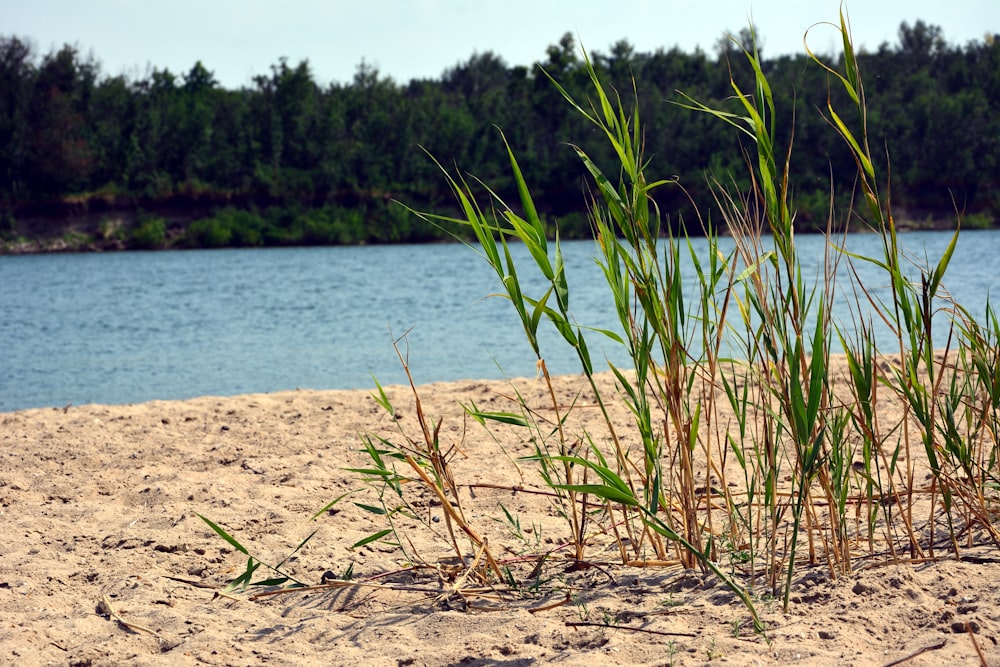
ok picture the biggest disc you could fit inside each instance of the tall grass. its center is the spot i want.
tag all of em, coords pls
(821, 466)
(754, 459)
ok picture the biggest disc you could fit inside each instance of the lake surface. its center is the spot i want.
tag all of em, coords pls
(130, 327)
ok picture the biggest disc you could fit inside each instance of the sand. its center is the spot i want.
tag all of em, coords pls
(105, 561)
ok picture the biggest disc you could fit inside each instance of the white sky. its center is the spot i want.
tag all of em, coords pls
(406, 39)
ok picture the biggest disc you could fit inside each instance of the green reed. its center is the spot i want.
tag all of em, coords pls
(749, 448)
(655, 497)
(427, 464)
(821, 472)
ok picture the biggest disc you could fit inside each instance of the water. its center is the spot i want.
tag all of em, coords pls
(130, 327)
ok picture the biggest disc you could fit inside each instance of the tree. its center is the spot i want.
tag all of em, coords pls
(283, 145)
(60, 158)
(17, 73)
(479, 77)
(921, 42)
(731, 45)
(110, 116)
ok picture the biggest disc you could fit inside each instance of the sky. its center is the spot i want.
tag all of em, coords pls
(420, 39)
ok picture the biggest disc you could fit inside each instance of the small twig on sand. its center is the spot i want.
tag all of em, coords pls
(135, 627)
(480, 592)
(932, 647)
(591, 624)
(975, 644)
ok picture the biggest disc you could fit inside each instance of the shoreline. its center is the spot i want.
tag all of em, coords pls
(838, 365)
(94, 233)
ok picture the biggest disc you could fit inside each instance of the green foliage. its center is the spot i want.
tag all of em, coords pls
(8, 224)
(285, 226)
(284, 141)
(247, 227)
(210, 233)
(150, 233)
(982, 220)
(246, 579)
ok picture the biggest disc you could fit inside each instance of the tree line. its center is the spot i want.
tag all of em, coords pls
(170, 160)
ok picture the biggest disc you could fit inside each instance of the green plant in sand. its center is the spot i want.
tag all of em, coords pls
(744, 447)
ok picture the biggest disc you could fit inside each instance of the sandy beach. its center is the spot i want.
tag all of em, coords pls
(105, 560)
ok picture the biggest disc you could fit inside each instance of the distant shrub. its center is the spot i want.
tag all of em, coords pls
(8, 224)
(319, 228)
(978, 221)
(157, 185)
(148, 234)
(111, 229)
(573, 226)
(209, 233)
(281, 226)
(74, 239)
(353, 225)
(246, 227)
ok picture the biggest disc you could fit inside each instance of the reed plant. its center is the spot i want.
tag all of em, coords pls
(821, 470)
(754, 459)
(423, 460)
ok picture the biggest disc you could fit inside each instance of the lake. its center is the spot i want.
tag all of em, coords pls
(130, 327)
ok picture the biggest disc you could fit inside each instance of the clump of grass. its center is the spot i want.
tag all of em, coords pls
(657, 504)
(750, 451)
(809, 449)
(427, 464)
(245, 580)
